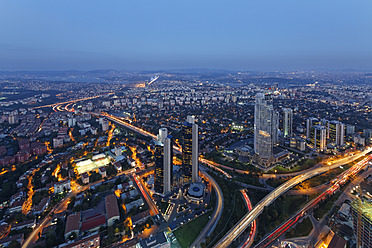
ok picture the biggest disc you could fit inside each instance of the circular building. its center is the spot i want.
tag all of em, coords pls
(196, 192)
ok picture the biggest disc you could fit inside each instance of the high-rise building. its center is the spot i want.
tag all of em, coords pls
(266, 122)
(287, 122)
(163, 162)
(336, 133)
(361, 211)
(318, 137)
(309, 123)
(190, 151)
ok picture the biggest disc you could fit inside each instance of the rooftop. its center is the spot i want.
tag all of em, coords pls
(112, 209)
(73, 222)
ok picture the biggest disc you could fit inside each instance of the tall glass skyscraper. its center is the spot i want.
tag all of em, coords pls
(287, 122)
(266, 122)
(163, 162)
(190, 156)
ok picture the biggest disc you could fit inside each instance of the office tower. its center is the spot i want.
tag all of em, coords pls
(361, 211)
(190, 154)
(336, 133)
(266, 122)
(350, 129)
(309, 123)
(318, 137)
(287, 122)
(163, 162)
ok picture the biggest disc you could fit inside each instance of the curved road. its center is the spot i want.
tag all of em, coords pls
(257, 210)
(212, 223)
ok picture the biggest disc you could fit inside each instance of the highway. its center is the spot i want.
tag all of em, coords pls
(212, 223)
(257, 210)
(249, 241)
(336, 184)
(71, 101)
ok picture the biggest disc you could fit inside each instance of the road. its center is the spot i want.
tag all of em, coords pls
(153, 208)
(249, 241)
(336, 184)
(212, 223)
(57, 209)
(257, 210)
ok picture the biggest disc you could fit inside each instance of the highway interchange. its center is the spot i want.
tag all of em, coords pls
(251, 216)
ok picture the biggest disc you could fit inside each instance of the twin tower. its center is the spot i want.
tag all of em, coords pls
(189, 170)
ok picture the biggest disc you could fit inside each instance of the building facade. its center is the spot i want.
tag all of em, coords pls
(190, 150)
(287, 122)
(362, 222)
(318, 137)
(163, 162)
(266, 122)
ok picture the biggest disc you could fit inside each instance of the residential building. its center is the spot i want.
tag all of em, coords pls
(287, 122)
(112, 209)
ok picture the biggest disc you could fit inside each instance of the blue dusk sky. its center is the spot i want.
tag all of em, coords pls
(264, 35)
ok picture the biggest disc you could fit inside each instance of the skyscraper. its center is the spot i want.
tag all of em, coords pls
(163, 162)
(309, 123)
(318, 137)
(336, 133)
(266, 122)
(287, 122)
(190, 154)
(361, 211)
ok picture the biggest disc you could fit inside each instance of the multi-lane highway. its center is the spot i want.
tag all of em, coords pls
(248, 242)
(257, 210)
(336, 184)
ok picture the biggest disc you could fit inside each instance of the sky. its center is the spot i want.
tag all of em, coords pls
(263, 35)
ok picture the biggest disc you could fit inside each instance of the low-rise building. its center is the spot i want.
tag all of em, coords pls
(62, 186)
(160, 240)
(112, 209)
(25, 224)
(4, 242)
(72, 224)
(91, 241)
(43, 204)
(140, 218)
(85, 178)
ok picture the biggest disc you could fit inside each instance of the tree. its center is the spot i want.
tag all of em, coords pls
(14, 244)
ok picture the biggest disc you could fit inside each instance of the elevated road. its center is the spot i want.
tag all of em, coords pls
(336, 184)
(239, 228)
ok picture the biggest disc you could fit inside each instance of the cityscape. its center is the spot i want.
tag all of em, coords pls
(175, 161)
(193, 124)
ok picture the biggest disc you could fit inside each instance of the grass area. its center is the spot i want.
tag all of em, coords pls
(273, 182)
(278, 212)
(300, 230)
(300, 166)
(221, 159)
(323, 178)
(187, 233)
(251, 179)
(325, 206)
(233, 210)
(162, 205)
